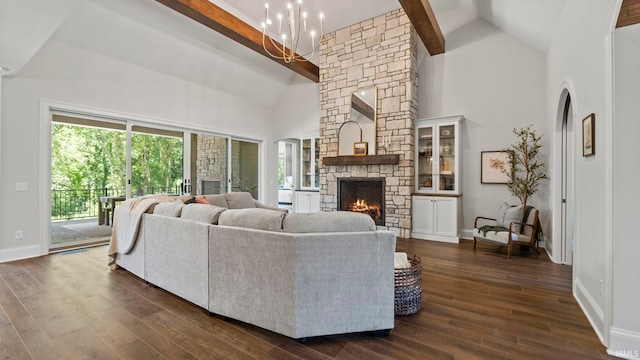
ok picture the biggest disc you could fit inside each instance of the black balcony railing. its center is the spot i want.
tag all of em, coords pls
(85, 203)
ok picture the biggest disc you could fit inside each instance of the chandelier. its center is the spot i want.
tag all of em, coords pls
(295, 25)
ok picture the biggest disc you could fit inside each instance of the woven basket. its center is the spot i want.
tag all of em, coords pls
(408, 288)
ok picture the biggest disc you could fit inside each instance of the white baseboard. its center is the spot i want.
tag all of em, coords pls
(447, 239)
(590, 308)
(19, 253)
(467, 234)
(624, 344)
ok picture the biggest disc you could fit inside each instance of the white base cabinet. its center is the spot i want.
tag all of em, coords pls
(436, 218)
(306, 202)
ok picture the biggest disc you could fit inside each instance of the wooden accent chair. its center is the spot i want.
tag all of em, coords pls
(519, 233)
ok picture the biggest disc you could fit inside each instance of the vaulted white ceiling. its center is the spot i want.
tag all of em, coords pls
(148, 34)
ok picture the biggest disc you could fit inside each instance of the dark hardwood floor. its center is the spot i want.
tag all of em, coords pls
(475, 305)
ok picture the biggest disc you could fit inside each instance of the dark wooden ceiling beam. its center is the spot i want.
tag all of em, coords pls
(424, 21)
(216, 18)
(629, 13)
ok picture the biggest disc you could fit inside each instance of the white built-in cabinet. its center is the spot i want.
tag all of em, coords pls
(306, 201)
(436, 201)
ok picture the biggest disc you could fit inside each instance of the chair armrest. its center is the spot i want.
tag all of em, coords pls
(475, 222)
(519, 223)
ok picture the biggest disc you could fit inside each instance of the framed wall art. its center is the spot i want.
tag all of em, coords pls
(589, 135)
(494, 167)
(360, 148)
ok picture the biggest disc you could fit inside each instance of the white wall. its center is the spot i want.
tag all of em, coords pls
(498, 84)
(298, 111)
(625, 331)
(69, 75)
(579, 58)
(297, 115)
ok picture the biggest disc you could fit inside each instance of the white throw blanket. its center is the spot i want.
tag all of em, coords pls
(401, 261)
(126, 223)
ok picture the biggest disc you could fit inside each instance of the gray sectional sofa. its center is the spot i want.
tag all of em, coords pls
(300, 275)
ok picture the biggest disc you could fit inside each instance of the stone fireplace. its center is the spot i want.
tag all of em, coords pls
(380, 52)
(364, 195)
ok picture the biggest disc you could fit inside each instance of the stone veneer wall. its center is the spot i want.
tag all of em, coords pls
(211, 161)
(383, 52)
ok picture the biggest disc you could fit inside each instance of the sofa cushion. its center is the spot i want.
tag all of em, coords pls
(262, 219)
(501, 237)
(204, 213)
(336, 221)
(240, 200)
(172, 209)
(217, 200)
(509, 214)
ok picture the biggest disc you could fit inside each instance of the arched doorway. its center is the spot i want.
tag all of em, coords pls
(567, 156)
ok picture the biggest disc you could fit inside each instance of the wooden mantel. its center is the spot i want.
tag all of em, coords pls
(389, 159)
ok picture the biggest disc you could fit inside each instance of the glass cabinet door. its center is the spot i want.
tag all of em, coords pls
(316, 158)
(306, 170)
(309, 164)
(437, 153)
(425, 163)
(447, 157)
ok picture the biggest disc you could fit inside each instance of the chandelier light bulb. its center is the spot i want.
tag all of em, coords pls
(295, 25)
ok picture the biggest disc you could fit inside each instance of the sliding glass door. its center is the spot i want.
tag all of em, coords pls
(220, 164)
(88, 163)
(96, 163)
(156, 161)
(244, 167)
(209, 164)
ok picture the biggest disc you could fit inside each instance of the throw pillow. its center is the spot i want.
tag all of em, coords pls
(204, 213)
(240, 200)
(509, 214)
(202, 200)
(217, 200)
(191, 200)
(172, 209)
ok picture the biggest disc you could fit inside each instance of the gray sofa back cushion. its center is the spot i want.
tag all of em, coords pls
(172, 209)
(240, 200)
(217, 200)
(202, 213)
(262, 219)
(336, 221)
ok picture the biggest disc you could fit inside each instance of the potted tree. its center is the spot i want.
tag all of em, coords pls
(527, 171)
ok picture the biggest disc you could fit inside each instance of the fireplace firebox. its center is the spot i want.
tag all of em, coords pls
(365, 195)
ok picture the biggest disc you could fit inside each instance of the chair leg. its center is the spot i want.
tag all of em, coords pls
(534, 249)
(509, 249)
(107, 216)
(474, 242)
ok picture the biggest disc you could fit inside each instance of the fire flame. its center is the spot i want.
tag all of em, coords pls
(360, 205)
